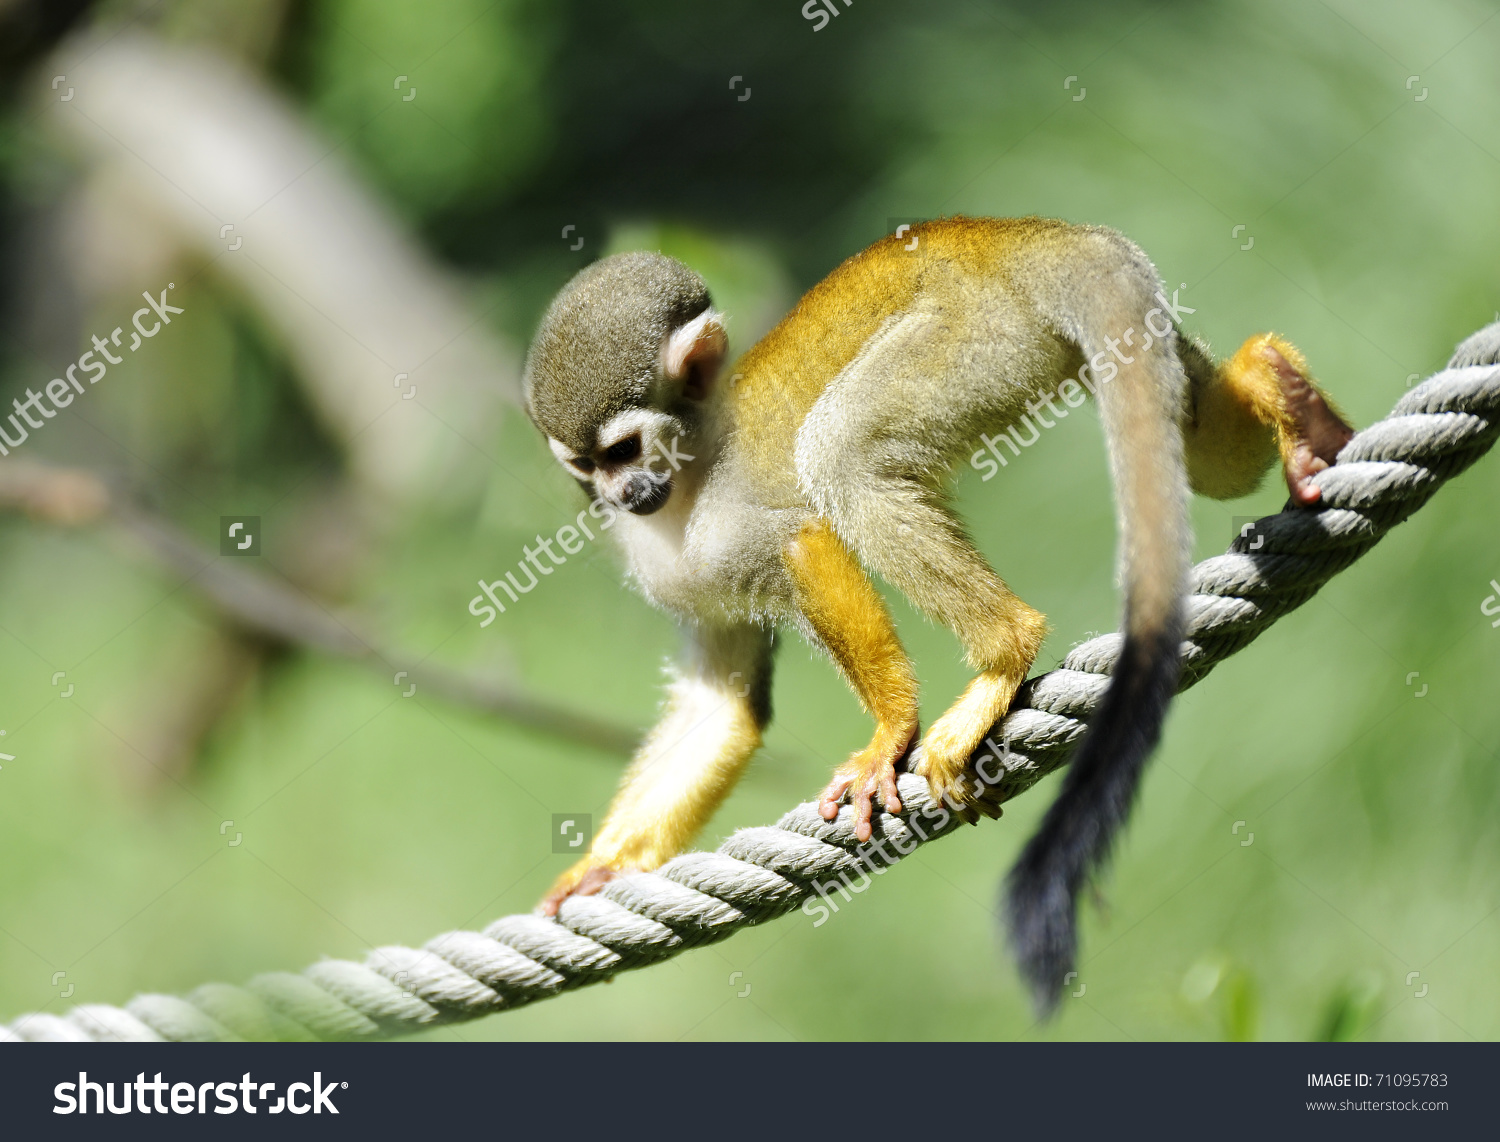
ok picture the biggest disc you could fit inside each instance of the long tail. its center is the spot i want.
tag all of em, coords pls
(1141, 408)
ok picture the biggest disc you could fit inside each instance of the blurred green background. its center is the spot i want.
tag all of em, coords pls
(1357, 145)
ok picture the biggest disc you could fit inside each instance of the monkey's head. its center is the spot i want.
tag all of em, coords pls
(620, 372)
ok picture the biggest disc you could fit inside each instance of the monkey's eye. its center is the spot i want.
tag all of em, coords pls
(623, 451)
(582, 463)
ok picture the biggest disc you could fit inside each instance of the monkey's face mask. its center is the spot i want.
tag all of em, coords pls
(639, 451)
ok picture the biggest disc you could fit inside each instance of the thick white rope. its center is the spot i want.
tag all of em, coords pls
(1383, 475)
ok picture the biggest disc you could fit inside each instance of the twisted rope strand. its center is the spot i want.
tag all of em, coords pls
(1382, 476)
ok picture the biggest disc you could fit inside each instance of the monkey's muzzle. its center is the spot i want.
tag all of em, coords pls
(645, 492)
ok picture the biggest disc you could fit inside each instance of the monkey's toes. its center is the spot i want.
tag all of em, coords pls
(1303, 465)
(1318, 433)
(592, 880)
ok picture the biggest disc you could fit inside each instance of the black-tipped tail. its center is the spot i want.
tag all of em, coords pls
(1075, 836)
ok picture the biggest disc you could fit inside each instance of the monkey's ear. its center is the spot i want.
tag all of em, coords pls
(694, 351)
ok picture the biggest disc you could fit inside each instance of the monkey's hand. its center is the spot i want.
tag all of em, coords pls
(584, 879)
(869, 775)
(955, 736)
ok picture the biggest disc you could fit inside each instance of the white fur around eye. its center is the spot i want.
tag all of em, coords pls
(564, 454)
(643, 422)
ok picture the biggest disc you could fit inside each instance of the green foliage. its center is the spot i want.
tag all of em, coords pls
(478, 120)
(1350, 1010)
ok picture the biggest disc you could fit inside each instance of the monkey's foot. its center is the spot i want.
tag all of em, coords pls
(1313, 432)
(868, 775)
(583, 879)
(955, 736)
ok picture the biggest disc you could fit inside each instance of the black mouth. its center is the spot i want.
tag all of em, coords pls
(647, 496)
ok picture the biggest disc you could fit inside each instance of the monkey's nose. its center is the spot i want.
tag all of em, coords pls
(645, 494)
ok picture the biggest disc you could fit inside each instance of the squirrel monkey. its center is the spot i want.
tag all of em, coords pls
(769, 497)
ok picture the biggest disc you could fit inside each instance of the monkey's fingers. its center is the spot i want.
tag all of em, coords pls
(888, 792)
(865, 779)
(957, 791)
(989, 809)
(972, 809)
(833, 795)
(861, 803)
(878, 787)
(963, 808)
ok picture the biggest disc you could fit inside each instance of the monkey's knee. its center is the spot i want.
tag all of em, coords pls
(1004, 637)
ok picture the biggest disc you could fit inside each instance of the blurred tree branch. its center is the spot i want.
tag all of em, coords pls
(270, 609)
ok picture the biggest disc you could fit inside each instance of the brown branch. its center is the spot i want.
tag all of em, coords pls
(272, 610)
